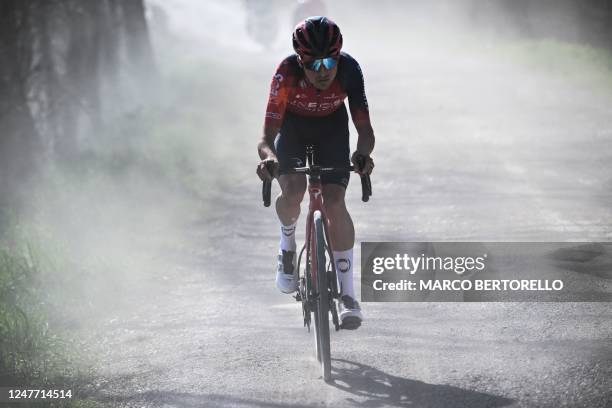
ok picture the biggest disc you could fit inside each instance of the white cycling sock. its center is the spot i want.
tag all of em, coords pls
(344, 270)
(287, 240)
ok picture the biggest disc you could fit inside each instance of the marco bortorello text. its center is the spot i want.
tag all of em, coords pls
(485, 272)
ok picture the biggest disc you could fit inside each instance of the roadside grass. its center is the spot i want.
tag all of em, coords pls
(34, 353)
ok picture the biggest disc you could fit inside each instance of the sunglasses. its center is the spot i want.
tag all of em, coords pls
(315, 65)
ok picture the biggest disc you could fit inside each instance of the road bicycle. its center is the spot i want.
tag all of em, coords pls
(318, 287)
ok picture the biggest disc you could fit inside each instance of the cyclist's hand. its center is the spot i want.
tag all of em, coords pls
(363, 164)
(264, 165)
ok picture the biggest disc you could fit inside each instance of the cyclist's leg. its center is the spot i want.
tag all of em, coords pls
(335, 151)
(341, 228)
(293, 187)
(289, 148)
(288, 209)
(290, 151)
(342, 234)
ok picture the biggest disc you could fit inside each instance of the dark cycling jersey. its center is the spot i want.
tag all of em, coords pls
(290, 91)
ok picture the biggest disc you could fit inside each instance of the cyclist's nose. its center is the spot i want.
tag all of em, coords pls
(322, 72)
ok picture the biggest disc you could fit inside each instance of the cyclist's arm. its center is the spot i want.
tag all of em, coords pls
(265, 147)
(267, 168)
(360, 111)
(365, 138)
(275, 111)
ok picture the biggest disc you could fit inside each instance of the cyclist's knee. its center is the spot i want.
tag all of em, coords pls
(293, 196)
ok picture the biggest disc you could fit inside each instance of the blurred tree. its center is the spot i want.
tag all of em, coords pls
(80, 80)
(138, 43)
(596, 17)
(19, 138)
(63, 69)
(517, 12)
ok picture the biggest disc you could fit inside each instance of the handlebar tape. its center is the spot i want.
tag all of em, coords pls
(366, 188)
(366, 183)
(266, 189)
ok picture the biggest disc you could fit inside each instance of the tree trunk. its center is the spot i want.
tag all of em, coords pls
(18, 136)
(138, 41)
(82, 80)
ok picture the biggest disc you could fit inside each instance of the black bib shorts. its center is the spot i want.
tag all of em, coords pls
(329, 135)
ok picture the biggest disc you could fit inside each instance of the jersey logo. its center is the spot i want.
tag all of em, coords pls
(273, 115)
(343, 265)
(276, 83)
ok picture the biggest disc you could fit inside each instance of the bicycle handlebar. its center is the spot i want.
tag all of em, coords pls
(366, 183)
(316, 170)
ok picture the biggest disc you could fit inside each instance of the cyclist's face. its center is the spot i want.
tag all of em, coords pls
(322, 78)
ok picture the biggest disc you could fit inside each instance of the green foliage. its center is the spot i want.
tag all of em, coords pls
(27, 348)
(33, 351)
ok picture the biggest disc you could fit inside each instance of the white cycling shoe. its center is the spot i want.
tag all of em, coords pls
(349, 313)
(286, 280)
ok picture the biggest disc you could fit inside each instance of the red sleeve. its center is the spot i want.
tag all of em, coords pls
(279, 94)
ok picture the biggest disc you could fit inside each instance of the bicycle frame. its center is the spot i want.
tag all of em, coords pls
(315, 192)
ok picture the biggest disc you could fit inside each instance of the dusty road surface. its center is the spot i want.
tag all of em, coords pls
(468, 148)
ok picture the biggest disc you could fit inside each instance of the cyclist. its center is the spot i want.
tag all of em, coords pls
(306, 106)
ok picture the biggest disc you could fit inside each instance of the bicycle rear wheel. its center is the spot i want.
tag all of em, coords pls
(322, 309)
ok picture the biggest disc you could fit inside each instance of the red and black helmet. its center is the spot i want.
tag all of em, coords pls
(317, 37)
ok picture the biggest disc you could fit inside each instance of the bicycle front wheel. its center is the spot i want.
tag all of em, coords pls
(322, 309)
